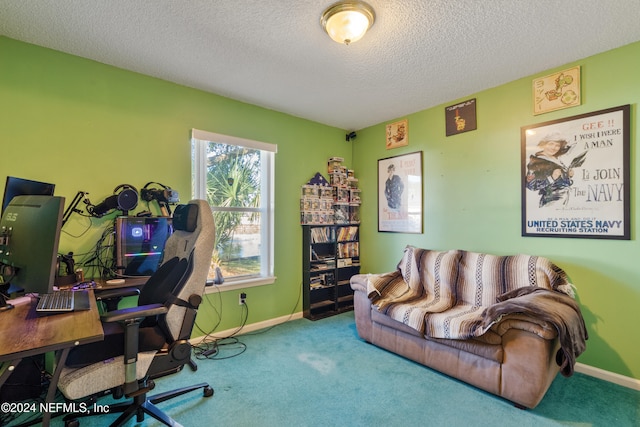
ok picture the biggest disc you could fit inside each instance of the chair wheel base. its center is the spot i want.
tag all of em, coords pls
(208, 391)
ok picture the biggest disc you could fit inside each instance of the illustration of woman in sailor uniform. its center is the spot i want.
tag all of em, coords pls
(547, 174)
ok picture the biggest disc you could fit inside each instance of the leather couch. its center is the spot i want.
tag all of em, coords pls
(516, 357)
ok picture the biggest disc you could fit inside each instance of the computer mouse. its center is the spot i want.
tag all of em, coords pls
(84, 285)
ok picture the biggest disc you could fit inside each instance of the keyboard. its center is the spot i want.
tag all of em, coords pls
(56, 302)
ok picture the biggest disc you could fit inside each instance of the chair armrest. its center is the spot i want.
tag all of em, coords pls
(110, 298)
(130, 319)
(132, 313)
(104, 294)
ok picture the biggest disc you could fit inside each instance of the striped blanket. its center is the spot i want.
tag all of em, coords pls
(443, 294)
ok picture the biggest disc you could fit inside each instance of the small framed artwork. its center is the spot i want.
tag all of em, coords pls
(576, 178)
(556, 91)
(400, 193)
(460, 117)
(398, 134)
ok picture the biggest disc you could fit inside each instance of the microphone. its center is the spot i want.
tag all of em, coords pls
(100, 209)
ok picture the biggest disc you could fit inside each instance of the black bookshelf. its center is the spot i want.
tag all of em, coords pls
(331, 255)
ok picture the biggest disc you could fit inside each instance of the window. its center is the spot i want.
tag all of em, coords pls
(236, 177)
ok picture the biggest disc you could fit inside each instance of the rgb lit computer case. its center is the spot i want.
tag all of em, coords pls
(140, 244)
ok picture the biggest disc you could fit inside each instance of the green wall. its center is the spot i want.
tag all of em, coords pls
(87, 126)
(472, 190)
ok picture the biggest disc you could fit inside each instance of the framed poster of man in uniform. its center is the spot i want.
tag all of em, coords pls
(400, 193)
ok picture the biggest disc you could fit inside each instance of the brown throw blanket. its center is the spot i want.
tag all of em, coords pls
(543, 304)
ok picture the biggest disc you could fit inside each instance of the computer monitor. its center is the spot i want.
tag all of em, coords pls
(140, 244)
(29, 238)
(22, 187)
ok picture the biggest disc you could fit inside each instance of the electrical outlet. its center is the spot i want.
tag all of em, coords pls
(242, 297)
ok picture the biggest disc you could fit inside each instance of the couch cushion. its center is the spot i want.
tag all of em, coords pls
(483, 277)
(430, 277)
(435, 271)
(385, 320)
(459, 322)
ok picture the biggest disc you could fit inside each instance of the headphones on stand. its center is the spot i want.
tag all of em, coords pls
(125, 198)
(163, 196)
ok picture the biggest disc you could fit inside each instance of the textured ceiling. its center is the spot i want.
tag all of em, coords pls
(419, 53)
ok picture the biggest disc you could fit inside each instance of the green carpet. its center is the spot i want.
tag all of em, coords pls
(305, 373)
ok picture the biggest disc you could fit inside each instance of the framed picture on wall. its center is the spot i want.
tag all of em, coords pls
(557, 91)
(397, 134)
(575, 176)
(400, 193)
(460, 117)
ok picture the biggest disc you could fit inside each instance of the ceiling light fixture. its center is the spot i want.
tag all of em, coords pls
(347, 21)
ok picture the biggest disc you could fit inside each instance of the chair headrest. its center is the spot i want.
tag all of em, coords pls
(185, 217)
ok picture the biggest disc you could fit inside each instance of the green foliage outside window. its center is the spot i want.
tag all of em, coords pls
(233, 181)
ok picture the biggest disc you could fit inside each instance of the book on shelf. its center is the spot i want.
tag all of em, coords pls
(348, 250)
(347, 233)
(322, 235)
(329, 264)
(314, 256)
(322, 280)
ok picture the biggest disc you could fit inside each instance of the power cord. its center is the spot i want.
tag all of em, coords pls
(212, 349)
(215, 309)
(103, 260)
(208, 341)
(86, 230)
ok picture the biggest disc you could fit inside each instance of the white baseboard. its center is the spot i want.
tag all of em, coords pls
(250, 328)
(612, 377)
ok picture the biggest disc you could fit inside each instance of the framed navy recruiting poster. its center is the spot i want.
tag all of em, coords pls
(575, 176)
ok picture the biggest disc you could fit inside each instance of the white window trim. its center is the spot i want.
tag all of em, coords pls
(233, 140)
(199, 191)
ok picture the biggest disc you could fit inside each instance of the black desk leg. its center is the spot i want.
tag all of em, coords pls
(61, 358)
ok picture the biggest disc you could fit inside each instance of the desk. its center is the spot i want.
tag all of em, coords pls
(23, 333)
(129, 282)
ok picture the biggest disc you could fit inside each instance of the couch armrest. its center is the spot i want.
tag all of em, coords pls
(542, 328)
(359, 282)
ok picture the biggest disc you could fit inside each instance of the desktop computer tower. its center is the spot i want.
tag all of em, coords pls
(140, 244)
(25, 382)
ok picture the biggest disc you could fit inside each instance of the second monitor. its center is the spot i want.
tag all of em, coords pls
(29, 238)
